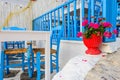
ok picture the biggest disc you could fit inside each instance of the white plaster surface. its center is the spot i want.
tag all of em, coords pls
(77, 67)
(70, 49)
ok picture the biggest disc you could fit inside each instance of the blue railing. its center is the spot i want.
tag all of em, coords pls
(60, 16)
(66, 15)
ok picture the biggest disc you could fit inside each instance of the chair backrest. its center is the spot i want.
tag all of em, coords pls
(13, 44)
(56, 37)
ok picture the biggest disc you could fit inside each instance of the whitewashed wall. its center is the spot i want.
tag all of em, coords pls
(24, 19)
(42, 6)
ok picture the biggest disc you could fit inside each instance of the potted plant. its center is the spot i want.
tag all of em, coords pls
(93, 34)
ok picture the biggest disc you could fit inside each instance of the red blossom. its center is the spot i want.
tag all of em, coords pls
(79, 34)
(107, 34)
(96, 26)
(107, 24)
(115, 31)
(85, 22)
(91, 24)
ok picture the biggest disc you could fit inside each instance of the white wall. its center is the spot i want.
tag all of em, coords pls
(23, 19)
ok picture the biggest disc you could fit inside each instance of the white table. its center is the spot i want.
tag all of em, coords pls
(26, 36)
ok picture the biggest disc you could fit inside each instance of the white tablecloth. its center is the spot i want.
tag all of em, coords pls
(78, 67)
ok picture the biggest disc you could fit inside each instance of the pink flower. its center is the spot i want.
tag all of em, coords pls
(107, 34)
(107, 24)
(91, 24)
(115, 31)
(85, 22)
(96, 26)
(79, 34)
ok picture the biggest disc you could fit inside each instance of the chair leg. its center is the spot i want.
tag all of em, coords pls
(32, 63)
(23, 64)
(38, 65)
(51, 65)
(57, 64)
(7, 64)
(29, 68)
(1, 64)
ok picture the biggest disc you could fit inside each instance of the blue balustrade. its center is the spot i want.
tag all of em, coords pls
(61, 15)
(66, 16)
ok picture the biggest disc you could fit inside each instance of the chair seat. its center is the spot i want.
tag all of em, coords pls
(15, 51)
(42, 50)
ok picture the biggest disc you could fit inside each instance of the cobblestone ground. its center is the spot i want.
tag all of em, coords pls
(108, 68)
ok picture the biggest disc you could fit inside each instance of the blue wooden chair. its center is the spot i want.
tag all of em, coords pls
(54, 57)
(13, 48)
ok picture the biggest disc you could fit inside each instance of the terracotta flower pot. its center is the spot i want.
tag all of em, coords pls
(93, 44)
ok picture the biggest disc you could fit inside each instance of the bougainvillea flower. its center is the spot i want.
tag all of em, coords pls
(79, 34)
(107, 34)
(107, 24)
(91, 24)
(95, 26)
(85, 22)
(115, 31)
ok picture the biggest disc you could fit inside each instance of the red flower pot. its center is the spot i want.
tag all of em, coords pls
(93, 44)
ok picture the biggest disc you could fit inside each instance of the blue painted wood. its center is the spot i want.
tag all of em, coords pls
(29, 51)
(83, 12)
(118, 12)
(75, 29)
(92, 9)
(54, 18)
(1, 64)
(55, 40)
(58, 16)
(23, 59)
(63, 35)
(7, 63)
(89, 11)
(68, 22)
(50, 21)
(38, 65)
(109, 12)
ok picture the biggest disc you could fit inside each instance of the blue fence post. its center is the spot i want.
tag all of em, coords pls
(89, 10)
(92, 9)
(63, 21)
(83, 13)
(68, 21)
(75, 29)
(50, 20)
(54, 18)
(58, 16)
